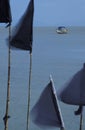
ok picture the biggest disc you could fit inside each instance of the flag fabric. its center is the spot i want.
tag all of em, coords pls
(23, 33)
(46, 112)
(74, 91)
(5, 12)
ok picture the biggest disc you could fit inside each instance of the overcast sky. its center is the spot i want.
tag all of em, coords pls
(52, 12)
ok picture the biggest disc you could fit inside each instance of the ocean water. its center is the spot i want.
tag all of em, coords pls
(59, 55)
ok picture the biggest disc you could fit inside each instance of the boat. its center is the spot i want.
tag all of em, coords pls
(62, 30)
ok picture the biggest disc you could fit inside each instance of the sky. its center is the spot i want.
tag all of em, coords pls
(51, 12)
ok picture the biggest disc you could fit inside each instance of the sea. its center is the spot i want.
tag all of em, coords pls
(59, 55)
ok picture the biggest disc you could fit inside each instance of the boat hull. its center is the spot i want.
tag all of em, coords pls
(61, 30)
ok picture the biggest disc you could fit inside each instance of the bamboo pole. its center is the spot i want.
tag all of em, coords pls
(5, 118)
(29, 93)
(81, 121)
(62, 128)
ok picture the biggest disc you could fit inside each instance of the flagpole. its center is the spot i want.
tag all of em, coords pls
(81, 120)
(5, 118)
(58, 109)
(62, 128)
(28, 107)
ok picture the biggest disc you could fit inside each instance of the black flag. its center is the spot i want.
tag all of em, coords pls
(73, 91)
(5, 12)
(46, 112)
(23, 35)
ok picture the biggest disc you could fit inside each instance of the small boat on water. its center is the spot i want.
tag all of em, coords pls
(61, 30)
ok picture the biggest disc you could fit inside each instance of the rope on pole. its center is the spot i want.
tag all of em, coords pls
(29, 93)
(5, 118)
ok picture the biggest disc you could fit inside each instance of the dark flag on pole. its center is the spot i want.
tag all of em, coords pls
(5, 12)
(46, 112)
(23, 34)
(73, 92)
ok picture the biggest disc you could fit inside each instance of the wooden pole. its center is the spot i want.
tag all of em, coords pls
(62, 128)
(5, 118)
(28, 109)
(81, 121)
